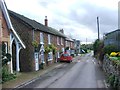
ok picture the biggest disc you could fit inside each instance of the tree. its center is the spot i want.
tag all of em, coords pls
(96, 46)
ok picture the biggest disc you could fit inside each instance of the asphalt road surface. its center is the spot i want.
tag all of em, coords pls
(83, 72)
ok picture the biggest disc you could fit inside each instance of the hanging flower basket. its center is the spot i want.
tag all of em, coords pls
(35, 43)
(47, 49)
(50, 48)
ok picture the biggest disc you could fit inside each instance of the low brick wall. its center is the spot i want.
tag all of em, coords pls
(111, 69)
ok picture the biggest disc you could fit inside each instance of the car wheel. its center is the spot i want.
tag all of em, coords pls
(69, 61)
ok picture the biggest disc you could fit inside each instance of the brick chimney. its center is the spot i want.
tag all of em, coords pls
(46, 21)
(62, 31)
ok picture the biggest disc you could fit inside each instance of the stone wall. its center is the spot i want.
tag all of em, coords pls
(112, 71)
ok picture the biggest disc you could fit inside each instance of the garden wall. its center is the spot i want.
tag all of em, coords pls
(112, 70)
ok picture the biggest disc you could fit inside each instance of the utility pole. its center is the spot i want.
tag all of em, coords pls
(98, 28)
(86, 41)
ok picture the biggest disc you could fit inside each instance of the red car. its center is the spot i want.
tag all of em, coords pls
(65, 57)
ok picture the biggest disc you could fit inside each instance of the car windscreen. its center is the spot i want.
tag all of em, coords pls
(65, 55)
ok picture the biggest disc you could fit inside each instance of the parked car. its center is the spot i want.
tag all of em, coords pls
(65, 57)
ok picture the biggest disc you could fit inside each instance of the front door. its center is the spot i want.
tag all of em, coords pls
(36, 62)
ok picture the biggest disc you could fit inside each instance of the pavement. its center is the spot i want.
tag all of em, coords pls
(24, 78)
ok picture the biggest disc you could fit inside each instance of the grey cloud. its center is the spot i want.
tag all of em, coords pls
(107, 17)
(45, 3)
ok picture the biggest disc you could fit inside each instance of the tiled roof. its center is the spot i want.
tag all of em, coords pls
(8, 21)
(36, 25)
(56, 32)
(69, 39)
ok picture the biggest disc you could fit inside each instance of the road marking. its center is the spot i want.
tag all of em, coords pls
(87, 61)
(78, 61)
(57, 66)
(93, 62)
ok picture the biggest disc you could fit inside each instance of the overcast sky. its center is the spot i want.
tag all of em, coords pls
(76, 17)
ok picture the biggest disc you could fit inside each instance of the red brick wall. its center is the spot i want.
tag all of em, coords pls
(37, 36)
(26, 55)
(5, 31)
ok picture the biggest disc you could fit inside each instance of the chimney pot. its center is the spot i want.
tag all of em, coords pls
(46, 21)
(62, 31)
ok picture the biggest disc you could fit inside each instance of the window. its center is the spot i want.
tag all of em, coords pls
(61, 41)
(66, 43)
(49, 42)
(36, 56)
(5, 47)
(58, 55)
(63, 49)
(41, 38)
(71, 44)
(58, 41)
(65, 55)
(50, 56)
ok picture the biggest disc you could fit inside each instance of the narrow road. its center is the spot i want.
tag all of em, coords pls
(83, 72)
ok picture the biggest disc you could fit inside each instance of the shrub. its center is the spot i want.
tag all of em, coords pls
(96, 46)
(110, 48)
(6, 75)
(111, 80)
(6, 57)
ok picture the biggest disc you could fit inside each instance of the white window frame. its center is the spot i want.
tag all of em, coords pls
(61, 41)
(63, 49)
(51, 57)
(71, 44)
(41, 38)
(49, 39)
(58, 41)
(66, 43)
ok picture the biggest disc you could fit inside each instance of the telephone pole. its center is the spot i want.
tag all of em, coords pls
(98, 28)
(86, 41)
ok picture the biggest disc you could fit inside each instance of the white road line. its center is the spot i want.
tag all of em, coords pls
(87, 61)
